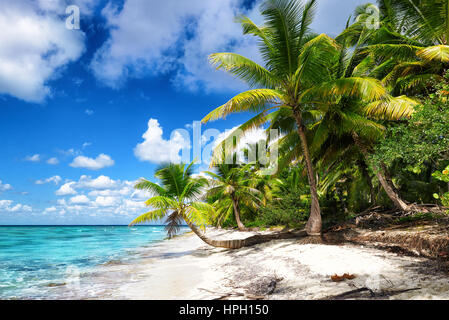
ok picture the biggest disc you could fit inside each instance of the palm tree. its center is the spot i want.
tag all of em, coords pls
(230, 187)
(365, 132)
(296, 81)
(176, 199)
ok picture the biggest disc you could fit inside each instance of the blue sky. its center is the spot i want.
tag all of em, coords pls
(85, 113)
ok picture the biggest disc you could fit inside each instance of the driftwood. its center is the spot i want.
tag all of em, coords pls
(357, 293)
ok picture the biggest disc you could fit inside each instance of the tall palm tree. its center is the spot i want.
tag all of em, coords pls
(176, 199)
(296, 81)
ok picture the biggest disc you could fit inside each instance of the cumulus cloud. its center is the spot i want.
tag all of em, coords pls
(100, 162)
(81, 199)
(10, 206)
(101, 195)
(66, 189)
(156, 149)
(150, 37)
(106, 201)
(35, 46)
(102, 182)
(5, 186)
(55, 179)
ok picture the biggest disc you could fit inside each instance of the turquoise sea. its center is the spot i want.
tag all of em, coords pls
(49, 262)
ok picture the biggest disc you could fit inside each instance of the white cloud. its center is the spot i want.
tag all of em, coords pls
(124, 191)
(101, 195)
(66, 189)
(50, 209)
(5, 203)
(102, 161)
(89, 112)
(216, 31)
(33, 158)
(9, 206)
(81, 199)
(35, 46)
(55, 179)
(53, 161)
(4, 186)
(150, 37)
(106, 201)
(59, 6)
(102, 182)
(157, 150)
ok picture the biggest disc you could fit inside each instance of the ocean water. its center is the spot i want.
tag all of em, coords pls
(59, 262)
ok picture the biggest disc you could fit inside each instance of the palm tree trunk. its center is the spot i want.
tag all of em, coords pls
(228, 244)
(251, 241)
(392, 194)
(240, 225)
(313, 226)
(389, 190)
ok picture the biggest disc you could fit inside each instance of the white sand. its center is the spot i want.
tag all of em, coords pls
(186, 268)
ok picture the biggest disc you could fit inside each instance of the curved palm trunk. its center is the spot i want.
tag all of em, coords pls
(313, 226)
(240, 243)
(389, 190)
(228, 244)
(240, 225)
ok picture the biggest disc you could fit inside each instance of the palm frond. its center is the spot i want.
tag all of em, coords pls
(367, 89)
(256, 100)
(438, 53)
(173, 224)
(161, 202)
(391, 108)
(198, 213)
(245, 69)
(151, 216)
(149, 186)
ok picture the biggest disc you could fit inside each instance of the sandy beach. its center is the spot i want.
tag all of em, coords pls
(186, 268)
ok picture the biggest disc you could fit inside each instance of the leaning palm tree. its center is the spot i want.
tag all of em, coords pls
(296, 81)
(176, 199)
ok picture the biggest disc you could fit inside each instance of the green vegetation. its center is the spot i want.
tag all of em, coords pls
(363, 120)
(443, 176)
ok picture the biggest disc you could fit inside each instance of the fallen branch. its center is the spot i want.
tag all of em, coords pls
(356, 293)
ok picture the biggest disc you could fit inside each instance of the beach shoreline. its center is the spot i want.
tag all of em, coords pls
(185, 268)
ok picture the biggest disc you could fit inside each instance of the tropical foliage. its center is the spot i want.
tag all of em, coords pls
(362, 120)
